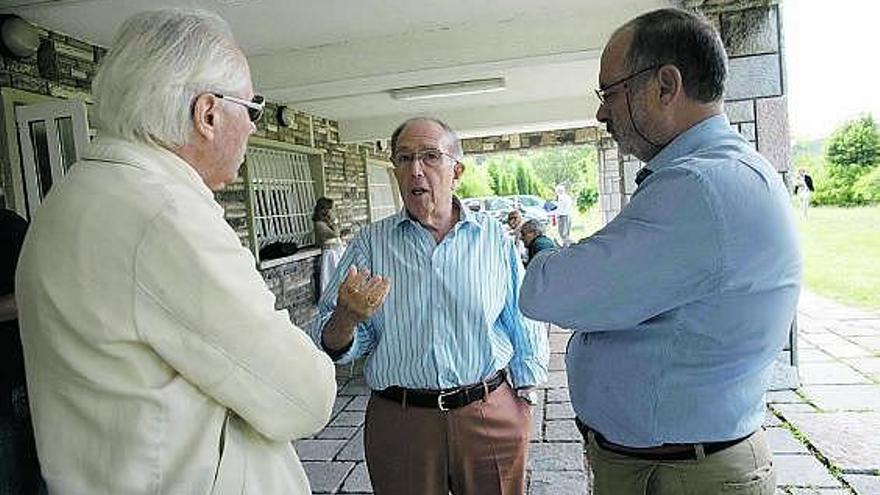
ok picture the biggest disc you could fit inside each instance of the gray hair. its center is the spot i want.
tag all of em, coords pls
(456, 150)
(685, 40)
(532, 226)
(159, 63)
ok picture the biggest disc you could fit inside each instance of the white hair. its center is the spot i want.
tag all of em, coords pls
(158, 64)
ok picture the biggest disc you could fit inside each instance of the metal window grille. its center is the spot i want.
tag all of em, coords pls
(283, 196)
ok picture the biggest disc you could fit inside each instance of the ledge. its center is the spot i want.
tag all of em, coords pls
(309, 252)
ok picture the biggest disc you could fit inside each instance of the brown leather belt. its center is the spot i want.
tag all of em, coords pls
(443, 400)
(665, 452)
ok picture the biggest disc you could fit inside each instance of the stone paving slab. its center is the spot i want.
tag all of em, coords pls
(868, 366)
(318, 450)
(556, 457)
(358, 481)
(871, 342)
(557, 361)
(850, 441)
(803, 471)
(561, 410)
(326, 477)
(562, 431)
(819, 491)
(348, 418)
(814, 355)
(844, 398)
(783, 441)
(558, 483)
(864, 484)
(830, 373)
(354, 450)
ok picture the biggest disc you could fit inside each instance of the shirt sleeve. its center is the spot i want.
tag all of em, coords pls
(202, 306)
(531, 351)
(364, 336)
(662, 251)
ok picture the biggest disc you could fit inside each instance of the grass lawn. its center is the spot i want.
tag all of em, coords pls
(842, 254)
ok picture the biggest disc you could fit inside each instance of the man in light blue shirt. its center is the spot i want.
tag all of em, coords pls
(680, 304)
(441, 330)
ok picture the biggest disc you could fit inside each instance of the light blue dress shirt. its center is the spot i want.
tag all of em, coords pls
(451, 317)
(681, 303)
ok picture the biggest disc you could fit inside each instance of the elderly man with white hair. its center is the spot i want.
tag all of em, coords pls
(155, 359)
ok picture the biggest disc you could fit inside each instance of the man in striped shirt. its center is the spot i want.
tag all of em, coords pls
(430, 297)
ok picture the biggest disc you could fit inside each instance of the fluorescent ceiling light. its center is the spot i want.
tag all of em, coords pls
(444, 90)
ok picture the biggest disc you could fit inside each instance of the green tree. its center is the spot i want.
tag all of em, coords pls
(475, 181)
(853, 151)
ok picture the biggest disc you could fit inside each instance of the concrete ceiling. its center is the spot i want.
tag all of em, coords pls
(338, 58)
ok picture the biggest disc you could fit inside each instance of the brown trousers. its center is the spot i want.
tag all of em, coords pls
(479, 449)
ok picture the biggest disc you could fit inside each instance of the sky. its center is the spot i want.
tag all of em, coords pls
(832, 50)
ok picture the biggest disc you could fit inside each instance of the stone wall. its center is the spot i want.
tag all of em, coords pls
(64, 67)
(755, 99)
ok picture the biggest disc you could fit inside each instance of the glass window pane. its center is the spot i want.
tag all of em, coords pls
(68, 144)
(41, 155)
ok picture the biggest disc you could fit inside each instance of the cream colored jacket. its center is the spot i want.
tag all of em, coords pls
(156, 362)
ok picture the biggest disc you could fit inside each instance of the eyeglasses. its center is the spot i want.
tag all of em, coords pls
(602, 93)
(430, 158)
(254, 107)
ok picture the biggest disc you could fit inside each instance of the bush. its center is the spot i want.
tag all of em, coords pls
(867, 187)
(853, 151)
(586, 198)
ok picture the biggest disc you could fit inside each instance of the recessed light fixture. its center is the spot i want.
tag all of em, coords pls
(444, 90)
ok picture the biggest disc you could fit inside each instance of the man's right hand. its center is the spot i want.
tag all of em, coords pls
(360, 295)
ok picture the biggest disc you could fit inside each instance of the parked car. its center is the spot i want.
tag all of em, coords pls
(533, 207)
(495, 206)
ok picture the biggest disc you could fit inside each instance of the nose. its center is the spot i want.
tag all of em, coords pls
(601, 113)
(416, 168)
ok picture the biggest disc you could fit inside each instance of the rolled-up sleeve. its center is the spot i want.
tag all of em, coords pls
(531, 354)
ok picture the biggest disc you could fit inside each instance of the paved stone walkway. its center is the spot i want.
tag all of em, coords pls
(825, 436)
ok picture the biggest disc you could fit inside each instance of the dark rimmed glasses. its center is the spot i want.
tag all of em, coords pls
(602, 93)
(255, 107)
(430, 157)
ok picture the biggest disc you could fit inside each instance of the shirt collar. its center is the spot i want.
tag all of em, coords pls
(465, 216)
(690, 140)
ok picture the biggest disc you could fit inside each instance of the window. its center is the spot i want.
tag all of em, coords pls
(383, 195)
(283, 194)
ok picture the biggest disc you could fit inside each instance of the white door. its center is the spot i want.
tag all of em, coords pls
(51, 137)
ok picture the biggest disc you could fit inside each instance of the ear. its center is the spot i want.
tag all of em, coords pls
(670, 83)
(457, 172)
(205, 115)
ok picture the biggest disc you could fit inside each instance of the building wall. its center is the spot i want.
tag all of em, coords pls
(64, 68)
(754, 102)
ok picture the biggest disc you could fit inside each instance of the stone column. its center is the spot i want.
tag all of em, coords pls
(755, 100)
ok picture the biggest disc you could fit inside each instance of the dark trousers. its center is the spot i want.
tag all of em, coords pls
(478, 449)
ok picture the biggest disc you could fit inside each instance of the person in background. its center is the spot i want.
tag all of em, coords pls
(327, 237)
(19, 468)
(156, 361)
(514, 225)
(803, 189)
(534, 239)
(564, 205)
(450, 360)
(325, 223)
(683, 301)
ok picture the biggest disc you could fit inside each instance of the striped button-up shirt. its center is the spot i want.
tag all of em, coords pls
(451, 317)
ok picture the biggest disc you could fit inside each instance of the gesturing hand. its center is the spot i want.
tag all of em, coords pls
(361, 294)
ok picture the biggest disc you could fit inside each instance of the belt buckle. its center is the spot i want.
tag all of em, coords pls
(440, 397)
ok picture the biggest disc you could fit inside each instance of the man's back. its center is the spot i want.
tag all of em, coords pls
(691, 292)
(143, 323)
